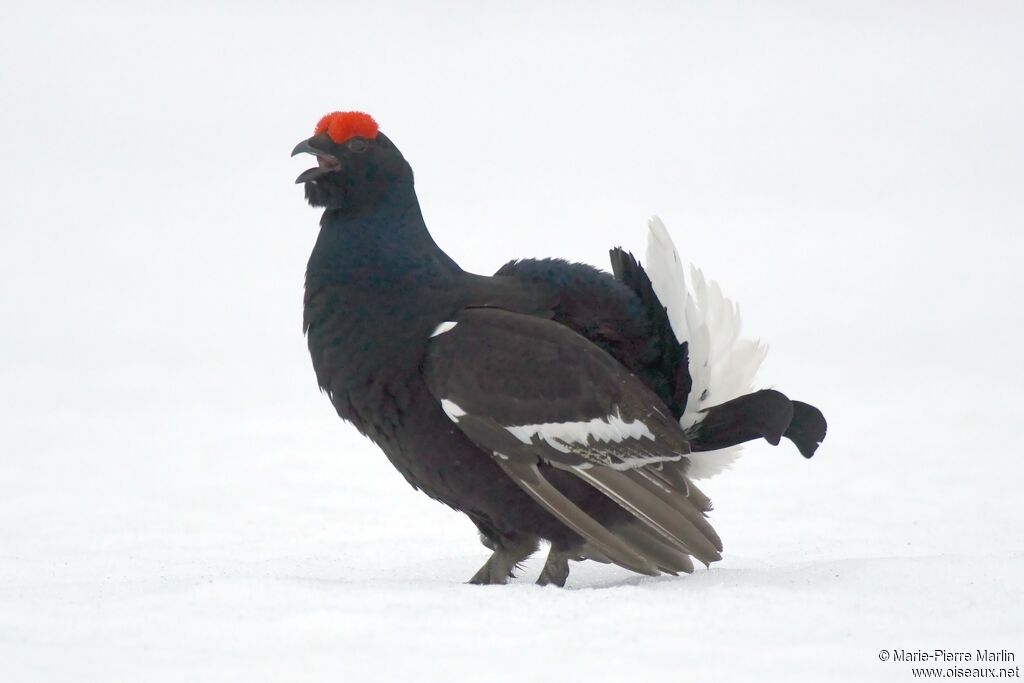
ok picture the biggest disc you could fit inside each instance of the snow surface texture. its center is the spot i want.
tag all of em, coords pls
(179, 503)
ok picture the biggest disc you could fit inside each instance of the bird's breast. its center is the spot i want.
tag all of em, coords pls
(367, 347)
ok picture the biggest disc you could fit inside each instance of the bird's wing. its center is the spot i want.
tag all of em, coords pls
(533, 393)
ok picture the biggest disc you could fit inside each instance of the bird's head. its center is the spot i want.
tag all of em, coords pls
(357, 165)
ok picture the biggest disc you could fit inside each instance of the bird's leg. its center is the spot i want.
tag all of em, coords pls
(556, 569)
(486, 542)
(507, 554)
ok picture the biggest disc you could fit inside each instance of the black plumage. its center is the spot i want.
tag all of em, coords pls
(543, 401)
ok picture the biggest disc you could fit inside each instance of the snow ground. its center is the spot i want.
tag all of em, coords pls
(177, 502)
(255, 554)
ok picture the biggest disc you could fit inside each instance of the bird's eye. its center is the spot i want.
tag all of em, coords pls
(357, 145)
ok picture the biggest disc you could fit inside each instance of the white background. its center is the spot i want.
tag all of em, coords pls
(178, 501)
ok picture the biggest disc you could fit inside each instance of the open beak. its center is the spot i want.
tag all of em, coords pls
(326, 163)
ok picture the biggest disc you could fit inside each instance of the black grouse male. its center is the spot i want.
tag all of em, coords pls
(550, 401)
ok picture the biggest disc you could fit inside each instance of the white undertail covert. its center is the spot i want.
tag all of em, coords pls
(722, 363)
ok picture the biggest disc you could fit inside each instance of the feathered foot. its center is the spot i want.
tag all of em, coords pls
(556, 569)
(497, 570)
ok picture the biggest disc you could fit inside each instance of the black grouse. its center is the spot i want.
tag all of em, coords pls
(551, 401)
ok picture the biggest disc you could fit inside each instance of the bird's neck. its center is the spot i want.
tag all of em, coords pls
(385, 241)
